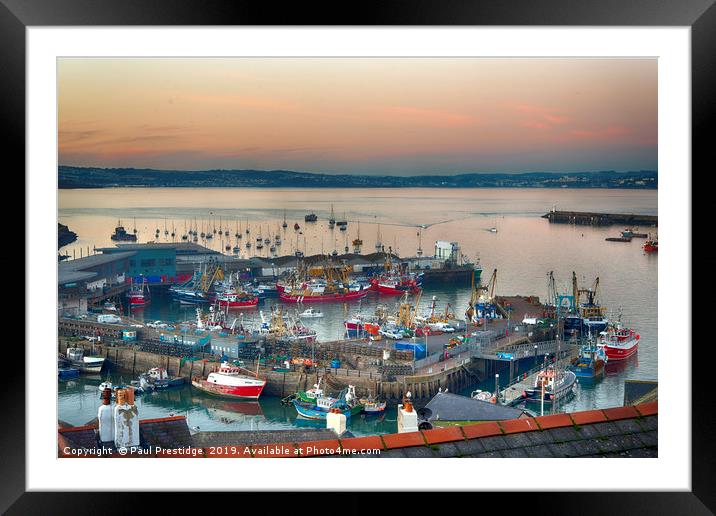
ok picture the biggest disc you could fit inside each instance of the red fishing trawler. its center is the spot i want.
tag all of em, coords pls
(138, 295)
(228, 381)
(310, 296)
(395, 285)
(237, 300)
(618, 343)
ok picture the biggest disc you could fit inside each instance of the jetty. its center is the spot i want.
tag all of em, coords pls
(587, 218)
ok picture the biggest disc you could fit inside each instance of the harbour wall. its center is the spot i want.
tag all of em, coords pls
(600, 219)
(126, 360)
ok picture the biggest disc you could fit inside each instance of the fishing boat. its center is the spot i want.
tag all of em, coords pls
(138, 295)
(554, 383)
(590, 362)
(160, 379)
(346, 403)
(311, 217)
(372, 407)
(229, 381)
(64, 372)
(397, 285)
(320, 408)
(594, 317)
(618, 343)
(651, 245)
(87, 364)
(121, 235)
(237, 300)
(311, 312)
(633, 233)
(395, 280)
(311, 395)
(483, 396)
(109, 306)
(311, 296)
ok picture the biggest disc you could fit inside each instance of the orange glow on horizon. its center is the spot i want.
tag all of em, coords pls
(359, 115)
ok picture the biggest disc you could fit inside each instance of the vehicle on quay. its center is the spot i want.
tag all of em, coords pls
(391, 333)
(441, 327)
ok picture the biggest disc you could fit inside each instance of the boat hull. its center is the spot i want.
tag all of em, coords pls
(394, 291)
(562, 391)
(587, 368)
(312, 411)
(323, 298)
(247, 303)
(250, 392)
(620, 352)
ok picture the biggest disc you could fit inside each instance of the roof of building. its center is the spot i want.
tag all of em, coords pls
(167, 433)
(317, 259)
(630, 431)
(181, 247)
(262, 437)
(446, 406)
(76, 270)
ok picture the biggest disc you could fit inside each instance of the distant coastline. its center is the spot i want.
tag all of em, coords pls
(70, 177)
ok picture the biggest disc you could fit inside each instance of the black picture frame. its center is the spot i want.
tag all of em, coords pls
(700, 15)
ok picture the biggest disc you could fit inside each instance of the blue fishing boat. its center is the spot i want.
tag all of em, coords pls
(67, 372)
(320, 408)
(590, 362)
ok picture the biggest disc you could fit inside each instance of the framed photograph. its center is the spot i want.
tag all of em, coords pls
(418, 236)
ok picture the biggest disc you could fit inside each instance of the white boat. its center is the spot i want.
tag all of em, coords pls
(482, 395)
(311, 312)
(86, 364)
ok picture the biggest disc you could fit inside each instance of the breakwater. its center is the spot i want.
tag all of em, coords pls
(600, 219)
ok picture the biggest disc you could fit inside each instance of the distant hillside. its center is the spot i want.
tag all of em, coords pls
(86, 177)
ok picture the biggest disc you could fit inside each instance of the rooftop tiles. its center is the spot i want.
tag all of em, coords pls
(614, 432)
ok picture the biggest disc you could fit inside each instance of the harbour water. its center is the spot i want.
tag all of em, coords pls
(524, 249)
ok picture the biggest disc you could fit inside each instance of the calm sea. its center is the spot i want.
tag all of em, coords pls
(523, 250)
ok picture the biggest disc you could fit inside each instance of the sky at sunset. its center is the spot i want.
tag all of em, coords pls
(397, 116)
